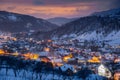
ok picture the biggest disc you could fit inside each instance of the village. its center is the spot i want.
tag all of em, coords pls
(67, 55)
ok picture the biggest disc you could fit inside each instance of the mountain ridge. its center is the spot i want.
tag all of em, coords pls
(60, 20)
(91, 27)
(14, 22)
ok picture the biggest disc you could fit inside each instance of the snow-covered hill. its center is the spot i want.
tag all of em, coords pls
(113, 38)
(14, 22)
(101, 26)
(93, 27)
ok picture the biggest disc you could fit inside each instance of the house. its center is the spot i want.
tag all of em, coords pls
(117, 76)
(104, 71)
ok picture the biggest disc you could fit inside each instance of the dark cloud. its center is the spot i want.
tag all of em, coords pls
(38, 2)
(106, 3)
(71, 1)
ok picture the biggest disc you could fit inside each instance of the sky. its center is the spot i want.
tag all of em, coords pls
(58, 8)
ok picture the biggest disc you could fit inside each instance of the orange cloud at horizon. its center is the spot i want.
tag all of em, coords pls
(58, 8)
(47, 11)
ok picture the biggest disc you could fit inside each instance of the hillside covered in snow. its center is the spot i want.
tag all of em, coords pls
(94, 27)
(14, 22)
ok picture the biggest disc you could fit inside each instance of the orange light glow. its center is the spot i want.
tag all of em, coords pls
(49, 40)
(66, 58)
(15, 54)
(14, 39)
(94, 60)
(45, 60)
(31, 56)
(117, 76)
(56, 64)
(117, 60)
(47, 49)
(2, 52)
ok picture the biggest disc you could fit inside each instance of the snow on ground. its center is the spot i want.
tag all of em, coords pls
(12, 17)
(90, 36)
(113, 37)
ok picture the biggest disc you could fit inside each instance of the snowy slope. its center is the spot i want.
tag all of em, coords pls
(113, 38)
(94, 36)
(100, 26)
(14, 22)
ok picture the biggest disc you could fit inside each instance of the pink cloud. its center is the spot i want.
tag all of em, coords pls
(56, 8)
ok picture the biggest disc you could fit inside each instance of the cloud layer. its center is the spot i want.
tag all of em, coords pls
(57, 8)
